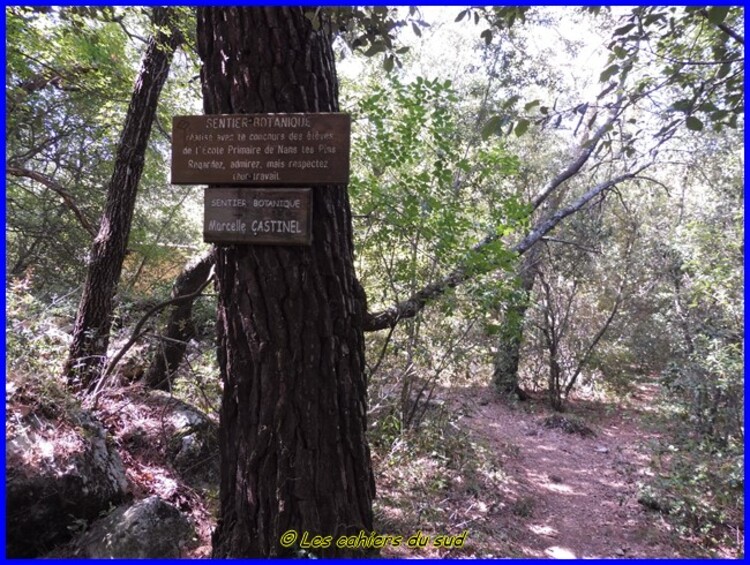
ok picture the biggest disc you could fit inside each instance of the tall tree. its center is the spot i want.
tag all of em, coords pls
(290, 343)
(94, 318)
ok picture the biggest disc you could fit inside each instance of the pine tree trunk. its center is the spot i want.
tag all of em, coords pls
(180, 328)
(292, 436)
(94, 318)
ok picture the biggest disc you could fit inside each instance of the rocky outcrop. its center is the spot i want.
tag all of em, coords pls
(60, 474)
(193, 446)
(150, 528)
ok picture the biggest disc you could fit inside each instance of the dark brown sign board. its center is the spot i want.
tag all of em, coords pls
(279, 216)
(261, 149)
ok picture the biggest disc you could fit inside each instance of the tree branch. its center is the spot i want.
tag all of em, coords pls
(410, 307)
(137, 333)
(573, 243)
(57, 188)
(595, 341)
(725, 28)
(586, 149)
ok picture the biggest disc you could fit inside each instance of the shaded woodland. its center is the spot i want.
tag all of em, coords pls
(540, 250)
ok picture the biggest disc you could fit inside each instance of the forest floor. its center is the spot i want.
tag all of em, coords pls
(528, 490)
(490, 476)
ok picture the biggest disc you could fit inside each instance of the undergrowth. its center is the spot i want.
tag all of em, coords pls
(35, 351)
(431, 479)
(699, 464)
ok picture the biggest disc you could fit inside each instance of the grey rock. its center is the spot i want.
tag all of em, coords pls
(60, 474)
(193, 446)
(150, 528)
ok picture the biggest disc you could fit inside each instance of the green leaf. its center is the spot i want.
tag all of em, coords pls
(374, 49)
(461, 15)
(717, 14)
(609, 72)
(492, 126)
(487, 36)
(724, 70)
(694, 123)
(417, 31)
(512, 100)
(624, 29)
(521, 127)
(682, 105)
(708, 106)
(388, 63)
(528, 107)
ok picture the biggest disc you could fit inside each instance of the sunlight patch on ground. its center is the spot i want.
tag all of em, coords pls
(557, 552)
(542, 530)
(561, 489)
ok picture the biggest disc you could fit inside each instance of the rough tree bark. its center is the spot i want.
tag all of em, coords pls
(180, 328)
(94, 318)
(292, 436)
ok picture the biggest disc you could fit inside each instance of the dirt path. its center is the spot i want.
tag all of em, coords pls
(573, 496)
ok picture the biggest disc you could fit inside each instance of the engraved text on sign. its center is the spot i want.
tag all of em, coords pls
(261, 149)
(255, 215)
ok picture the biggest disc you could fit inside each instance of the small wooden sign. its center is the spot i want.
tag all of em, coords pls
(280, 216)
(261, 149)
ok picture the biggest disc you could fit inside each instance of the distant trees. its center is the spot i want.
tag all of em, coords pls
(58, 138)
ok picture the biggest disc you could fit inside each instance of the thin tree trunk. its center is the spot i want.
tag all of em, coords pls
(294, 455)
(180, 328)
(94, 318)
(505, 366)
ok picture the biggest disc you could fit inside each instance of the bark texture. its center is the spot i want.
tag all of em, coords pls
(505, 366)
(94, 318)
(180, 328)
(294, 455)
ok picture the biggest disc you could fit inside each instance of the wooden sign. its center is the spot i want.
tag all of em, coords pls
(280, 216)
(261, 149)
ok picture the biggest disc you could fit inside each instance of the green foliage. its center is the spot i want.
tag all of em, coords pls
(70, 75)
(61, 68)
(413, 190)
(371, 30)
(34, 343)
(694, 52)
(701, 479)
